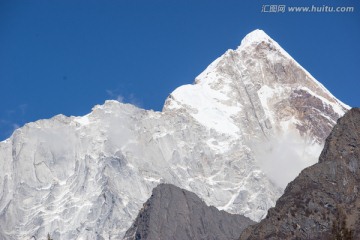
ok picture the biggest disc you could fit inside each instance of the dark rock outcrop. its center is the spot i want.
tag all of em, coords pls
(323, 202)
(174, 213)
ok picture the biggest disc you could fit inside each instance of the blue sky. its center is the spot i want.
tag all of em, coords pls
(67, 56)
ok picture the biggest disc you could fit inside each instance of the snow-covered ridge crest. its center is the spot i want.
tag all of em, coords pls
(87, 177)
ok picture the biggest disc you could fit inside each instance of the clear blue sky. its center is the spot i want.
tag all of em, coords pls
(65, 56)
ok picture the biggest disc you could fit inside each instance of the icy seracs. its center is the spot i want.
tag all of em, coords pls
(235, 138)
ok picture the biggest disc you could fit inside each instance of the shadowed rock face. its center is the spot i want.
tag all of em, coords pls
(174, 213)
(324, 200)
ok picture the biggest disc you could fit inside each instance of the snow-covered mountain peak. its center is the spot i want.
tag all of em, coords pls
(253, 111)
(258, 75)
(259, 96)
(255, 37)
(259, 41)
(259, 44)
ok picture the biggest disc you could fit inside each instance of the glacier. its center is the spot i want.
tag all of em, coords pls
(248, 125)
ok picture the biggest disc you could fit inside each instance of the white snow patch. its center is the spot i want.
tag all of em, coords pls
(207, 108)
(265, 93)
(255, 36)
(151, 179)
(83, 120)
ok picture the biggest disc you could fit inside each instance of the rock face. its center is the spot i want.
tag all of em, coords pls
(323, 202)
(224, 138)
(174, 213)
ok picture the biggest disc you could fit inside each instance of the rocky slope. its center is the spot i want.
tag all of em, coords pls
(222, 138)
(174, 213)
(323, 202)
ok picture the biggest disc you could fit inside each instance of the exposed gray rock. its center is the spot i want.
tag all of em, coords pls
(174, 213)
(323, 202)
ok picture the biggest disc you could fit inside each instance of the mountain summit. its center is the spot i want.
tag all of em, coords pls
(247, 126)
